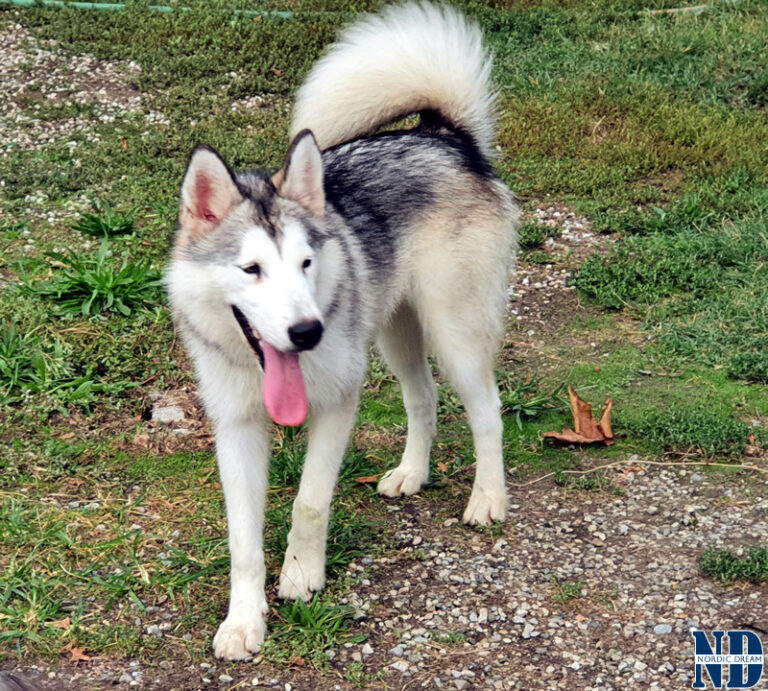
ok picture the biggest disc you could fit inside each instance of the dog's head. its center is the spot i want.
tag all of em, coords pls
(256, 245)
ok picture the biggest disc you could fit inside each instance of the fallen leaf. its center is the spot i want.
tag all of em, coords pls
(299, 661)
(61, 624)
(124, 144)
(586, 430)
(78, 655)
(605, 422)
(366, 479)
(442, 467)
(277, 72)
(633, 469)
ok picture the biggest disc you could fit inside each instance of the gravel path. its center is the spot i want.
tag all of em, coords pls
(453, 608)
(636, 553)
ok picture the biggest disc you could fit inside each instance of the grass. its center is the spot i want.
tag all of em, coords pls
(565, 591)
(29, 369)
(524, 400)
(533, 234)
(107, 222)
(304, 632)
(652, 126)
(449, 638)
(692, 429)
(726, 567)
(93, 285)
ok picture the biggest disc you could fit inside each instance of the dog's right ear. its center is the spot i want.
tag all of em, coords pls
(208, 193)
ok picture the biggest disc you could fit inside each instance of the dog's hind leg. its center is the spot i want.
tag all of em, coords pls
(471, 374)
(402, 344)
(304, 565)
(464, 337)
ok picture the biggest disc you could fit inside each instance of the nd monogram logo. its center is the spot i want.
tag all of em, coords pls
(744, 659)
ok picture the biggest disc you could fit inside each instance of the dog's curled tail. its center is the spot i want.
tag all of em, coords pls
(407, 59)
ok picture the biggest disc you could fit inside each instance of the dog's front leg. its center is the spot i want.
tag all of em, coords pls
(304, 566)
(242, 449)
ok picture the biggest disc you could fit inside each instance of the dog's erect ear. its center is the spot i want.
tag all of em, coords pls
(208, 193)
(302, 175)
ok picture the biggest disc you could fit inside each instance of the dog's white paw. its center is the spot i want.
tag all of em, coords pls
(402, 481)
(239, 640)
(484, 507)
(301, 575)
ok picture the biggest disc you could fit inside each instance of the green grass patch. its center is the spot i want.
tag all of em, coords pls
(724, 566)
(449, 638)
(691, 429)
(588, 482)
(566, 591)
(702, 289)
(92, 285)
(107, 222)
(30, 369)
(308, 631)
(532, 234)
(524, 400)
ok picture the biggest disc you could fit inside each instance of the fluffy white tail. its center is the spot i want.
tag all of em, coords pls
(406, 59)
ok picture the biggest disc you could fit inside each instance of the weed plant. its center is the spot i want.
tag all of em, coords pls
(92, 285)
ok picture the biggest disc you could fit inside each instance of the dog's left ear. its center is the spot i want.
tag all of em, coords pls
(302, 174)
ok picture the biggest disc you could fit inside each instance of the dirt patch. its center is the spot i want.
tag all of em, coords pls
(542, 301)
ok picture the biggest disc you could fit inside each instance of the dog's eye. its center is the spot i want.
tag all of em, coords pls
(254, 269)
(307, 263)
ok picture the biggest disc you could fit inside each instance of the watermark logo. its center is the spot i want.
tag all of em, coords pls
(743, 661)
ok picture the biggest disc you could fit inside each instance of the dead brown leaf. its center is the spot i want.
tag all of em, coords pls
(586, 430)
(366, 479)
(78, 655)
(633, 469)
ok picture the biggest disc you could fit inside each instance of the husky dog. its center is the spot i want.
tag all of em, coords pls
(279, 284)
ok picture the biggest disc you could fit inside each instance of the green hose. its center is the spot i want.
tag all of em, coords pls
(121, 6)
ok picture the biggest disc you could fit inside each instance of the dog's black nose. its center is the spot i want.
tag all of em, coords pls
(306, 335)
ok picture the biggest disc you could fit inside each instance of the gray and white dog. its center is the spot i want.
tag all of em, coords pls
(279, 284)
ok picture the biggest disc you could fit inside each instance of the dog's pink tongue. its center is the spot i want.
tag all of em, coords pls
(283, 390)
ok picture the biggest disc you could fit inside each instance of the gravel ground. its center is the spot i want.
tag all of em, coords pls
(33, 74)
(454, 608)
